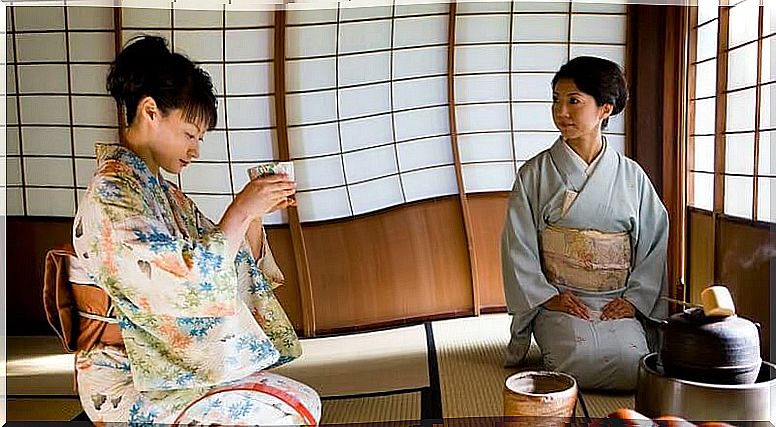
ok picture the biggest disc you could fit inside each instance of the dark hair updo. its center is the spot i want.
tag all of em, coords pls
(600, 78)
(146, 67)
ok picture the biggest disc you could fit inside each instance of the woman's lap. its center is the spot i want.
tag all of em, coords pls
(260, 398)
(600, 354)
(107, 394)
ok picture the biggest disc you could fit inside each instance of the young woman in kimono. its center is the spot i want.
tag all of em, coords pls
(194, 299)
(584, 243)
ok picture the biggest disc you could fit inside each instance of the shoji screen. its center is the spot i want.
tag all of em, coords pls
(482, 89)
(751, 90)
(732, 162)
(506, 55)
(367, 107)
(366, 96)
(767, 155)
(740, 120)
(57, 104)
(704, 68)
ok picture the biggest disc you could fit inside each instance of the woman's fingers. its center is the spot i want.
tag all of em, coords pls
(574, 306)
(282, 204)
(569, 303)
(584, 313)
(274, 191)
(265, 194)
(611, 314)
(580, 307)
(274, 185)
(282, 193)
(579, 311)
(609, 311)
(612, 311)
(272, 181)
(617, 309)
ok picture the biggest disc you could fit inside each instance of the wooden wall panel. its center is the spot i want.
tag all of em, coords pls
(700, 244)
(744, 255)
(28, 240)
(675, 137)
(488, 212)
(646, 28)
(739, 256)
(290, 293)
(404, 263)
(654, 120)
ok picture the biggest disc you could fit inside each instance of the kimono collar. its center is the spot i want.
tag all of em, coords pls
(588, 168)
(119, 153)
(572, 170)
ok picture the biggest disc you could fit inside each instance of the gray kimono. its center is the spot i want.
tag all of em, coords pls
(617, 196)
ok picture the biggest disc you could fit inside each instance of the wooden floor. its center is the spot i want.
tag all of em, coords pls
(443, 369)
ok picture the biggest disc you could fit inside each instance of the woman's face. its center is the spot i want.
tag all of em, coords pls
(177, 142)
(575, 113)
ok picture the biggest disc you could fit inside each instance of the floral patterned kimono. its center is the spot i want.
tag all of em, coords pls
(200, 324)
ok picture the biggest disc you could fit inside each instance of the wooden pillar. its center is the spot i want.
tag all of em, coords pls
(297, 236)
(465, 212)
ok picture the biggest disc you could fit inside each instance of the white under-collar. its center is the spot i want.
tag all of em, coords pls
(588, 168)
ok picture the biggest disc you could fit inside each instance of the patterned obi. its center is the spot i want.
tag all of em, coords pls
(587, 260)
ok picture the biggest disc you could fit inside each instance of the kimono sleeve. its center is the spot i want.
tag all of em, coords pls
(649, 258)
(267, 264)
(264, 260)
(525, 285)
(139, 260)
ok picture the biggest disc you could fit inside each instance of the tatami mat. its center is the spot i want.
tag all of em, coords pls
(469, 357)
(602, 404)
(40, 409)
(395, 407)
(372, 362)
(470, 354)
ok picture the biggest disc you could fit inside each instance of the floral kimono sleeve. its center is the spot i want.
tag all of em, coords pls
(263, 260)
(139, 260)
(267, 264)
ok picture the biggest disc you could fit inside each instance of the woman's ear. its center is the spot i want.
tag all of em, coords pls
(147, 109)
(606, 111)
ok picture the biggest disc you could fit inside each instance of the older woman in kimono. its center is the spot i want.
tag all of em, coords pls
(584, 244)
(194, 299)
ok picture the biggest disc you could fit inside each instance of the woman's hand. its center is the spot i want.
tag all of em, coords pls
(264, 195)
(569, 303)
(619, 308)
(259, 197)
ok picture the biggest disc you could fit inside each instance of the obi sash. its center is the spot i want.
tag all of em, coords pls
(587, 260)
(80, 312)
